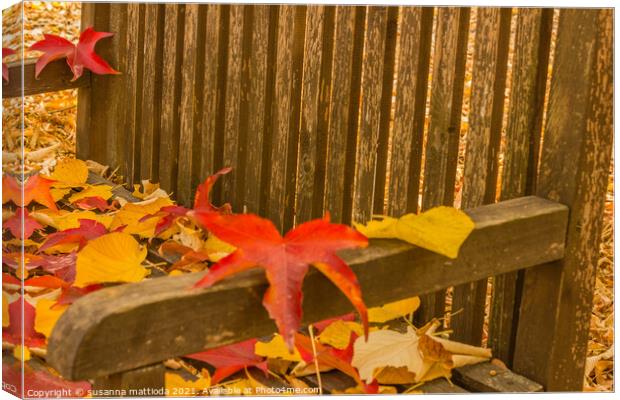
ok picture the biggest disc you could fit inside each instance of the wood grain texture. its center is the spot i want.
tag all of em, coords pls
(557, 298)
(442, 142)
(370, 113)
(523, 135)
(151, 91)
(157, 319)
(56, 76)
(309, 135)
(188, 103)
(486, 377)
(405, 142)
(482, 151)
(169, 118)
(258, 104)
(82, 125)
(282, 173)
(143, 382)
(341, 103)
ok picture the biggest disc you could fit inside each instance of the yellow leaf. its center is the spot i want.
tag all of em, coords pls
(393, 310)
(338, 333)
(46, 316)
(176, 385)
(5, 310)
(217, 248)
(69, 220)
(59, 193)
(441, 229)
(151, 190)
(103, 191)
(21, 353)
(276, 348)
(70, 172)
(131, 213)
(114, 257)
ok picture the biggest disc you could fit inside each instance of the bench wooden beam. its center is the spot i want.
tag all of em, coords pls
(55, 77)
(133, 325)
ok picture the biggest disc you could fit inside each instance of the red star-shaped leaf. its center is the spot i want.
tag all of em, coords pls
(285, 260)
(14, 224)
(78, 56)
(231, 358)
(5, 69)
(36, 189)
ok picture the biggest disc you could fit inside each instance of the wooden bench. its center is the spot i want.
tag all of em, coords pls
(323, 108)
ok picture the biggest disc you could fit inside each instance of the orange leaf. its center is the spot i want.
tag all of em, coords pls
(36, 188)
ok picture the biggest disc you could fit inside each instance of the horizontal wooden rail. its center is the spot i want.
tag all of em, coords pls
(55, 77)
(133, 325)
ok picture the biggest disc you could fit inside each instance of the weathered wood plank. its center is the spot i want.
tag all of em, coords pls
(482, 151)
(281, 203)
(523, 133)
(157, 318)
(341, 105)
(82, 126)
(213, 90)
(151, 91)
(370, 113)
(385, 110)
(188, 103)
(487, 377)
(405, 142)
(233, 112)
(143, 382)
(442, 143)
(56, 76)
(440, 385)
(556, 303)
(169, 118)
(309, 135)
(258, 98)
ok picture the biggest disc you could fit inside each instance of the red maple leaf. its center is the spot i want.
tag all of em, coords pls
(78, 56)
(14, 224)
(70, 294)
(169, 214)
(285, 260)
(94, 202)
(36, 188)
(231, 358)
(5, 69)
(13, 333)
(89, 229)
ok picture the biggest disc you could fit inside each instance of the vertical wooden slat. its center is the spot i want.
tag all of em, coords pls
(339, 109)
(442, 143)
(403, 136)
(387, 96)
(149, 132)
(310, 114)
(556, 305)
(532, 40)
(132, 88)
(187, 104)
(258, 65)
(370, 113)
(216, 38)
(233, 113)
(280, 206)
(168, 140)
(481, 157)
(83, 123)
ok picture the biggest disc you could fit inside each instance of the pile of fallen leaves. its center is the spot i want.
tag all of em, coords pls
(80, 237)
